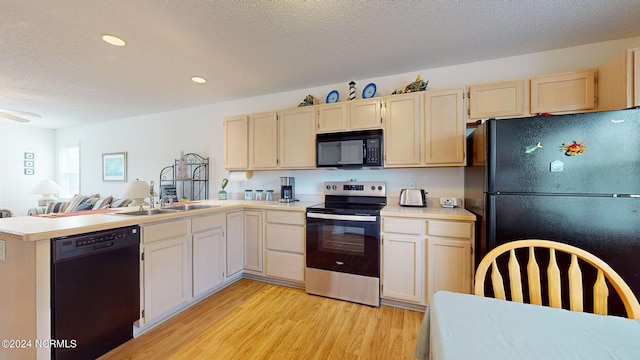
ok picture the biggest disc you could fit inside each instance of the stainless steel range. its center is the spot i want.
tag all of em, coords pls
(343, 242)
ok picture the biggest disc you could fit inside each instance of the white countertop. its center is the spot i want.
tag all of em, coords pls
(34, 228)
(435, 212)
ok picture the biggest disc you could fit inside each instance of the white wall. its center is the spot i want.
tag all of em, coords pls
(154, 141)
(15, 186)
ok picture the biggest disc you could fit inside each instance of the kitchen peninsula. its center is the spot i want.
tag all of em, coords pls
(240, 227)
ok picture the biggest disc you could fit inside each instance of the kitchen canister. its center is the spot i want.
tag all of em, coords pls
(259, 195)
(269, 195)
(248, 194)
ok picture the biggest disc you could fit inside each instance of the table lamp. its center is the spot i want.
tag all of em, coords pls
(137, 191)
(47, 188)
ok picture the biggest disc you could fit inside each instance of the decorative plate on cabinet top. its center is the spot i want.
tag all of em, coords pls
(333, 96)
(369, 91)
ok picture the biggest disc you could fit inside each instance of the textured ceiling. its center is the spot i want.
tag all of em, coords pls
(54, 63)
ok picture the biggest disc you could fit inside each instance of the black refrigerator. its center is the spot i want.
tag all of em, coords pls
(569, 178)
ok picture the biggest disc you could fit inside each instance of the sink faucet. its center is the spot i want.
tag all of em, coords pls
(167, 199)
(151, 200)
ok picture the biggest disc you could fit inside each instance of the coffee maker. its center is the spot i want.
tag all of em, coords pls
(287, 193)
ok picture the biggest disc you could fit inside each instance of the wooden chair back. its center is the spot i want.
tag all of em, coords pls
(600, 288)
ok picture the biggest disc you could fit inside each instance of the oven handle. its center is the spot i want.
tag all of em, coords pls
(367, 218)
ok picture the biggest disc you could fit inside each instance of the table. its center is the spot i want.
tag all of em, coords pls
(462, 326)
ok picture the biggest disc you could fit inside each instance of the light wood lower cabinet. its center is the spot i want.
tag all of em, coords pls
(166, 267)
(208, 252)
(285, 243)
(449, 260)
(403, 259)
(235, 243)
(423, 256)
(253, 238)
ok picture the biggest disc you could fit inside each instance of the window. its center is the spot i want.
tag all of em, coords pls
(69, 170)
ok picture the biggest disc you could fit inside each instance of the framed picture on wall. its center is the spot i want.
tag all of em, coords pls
(114, 166)
(28, 171)
(28, 156)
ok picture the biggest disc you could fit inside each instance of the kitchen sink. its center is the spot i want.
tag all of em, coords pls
(167, 210)
(147, 212)
(190, 207)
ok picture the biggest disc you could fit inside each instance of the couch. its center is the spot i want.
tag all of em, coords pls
(80, 203)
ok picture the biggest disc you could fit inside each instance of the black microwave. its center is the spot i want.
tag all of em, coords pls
(353, 149)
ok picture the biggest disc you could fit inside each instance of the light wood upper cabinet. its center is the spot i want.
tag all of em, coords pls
(360, 114)
(365, 114)
(332, 117)
(564, 93)
(504, 99)
(236, 142)
(619, 81)
(263, 141)
(403, 115)
(444, 128)
(297, 138)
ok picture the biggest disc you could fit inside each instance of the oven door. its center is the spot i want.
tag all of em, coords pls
(344, 243)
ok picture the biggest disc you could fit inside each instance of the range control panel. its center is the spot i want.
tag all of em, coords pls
(350, 188)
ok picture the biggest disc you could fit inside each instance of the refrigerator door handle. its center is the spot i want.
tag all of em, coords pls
(627, 195)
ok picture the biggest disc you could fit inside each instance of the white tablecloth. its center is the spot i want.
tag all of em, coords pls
(460, 326)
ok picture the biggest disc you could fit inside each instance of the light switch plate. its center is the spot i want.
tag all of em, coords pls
(2, 250)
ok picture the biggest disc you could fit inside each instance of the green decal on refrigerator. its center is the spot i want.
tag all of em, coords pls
(532, 148)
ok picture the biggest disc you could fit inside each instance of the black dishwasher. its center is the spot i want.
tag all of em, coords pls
(95, 291)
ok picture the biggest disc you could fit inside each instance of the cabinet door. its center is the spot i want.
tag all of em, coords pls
(499, 99)
(297, 138)
(332, 117)
(263, 141)
(444, 128)
(235, 243)
(564, 93)
(208, 260)
(167, 275)
(402, 130)
(236, 143)
(365, 114)
(403, 267)
(635, 76)
(253, 235)
(449, 265)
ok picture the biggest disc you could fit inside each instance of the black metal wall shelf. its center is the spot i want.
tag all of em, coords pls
(194, 188)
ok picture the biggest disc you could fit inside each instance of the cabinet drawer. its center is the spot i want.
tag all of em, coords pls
(450, 229)
(285, 238)
(165, 231)
(403, 226)
(285, 265)
(204, 223)
(286, 217)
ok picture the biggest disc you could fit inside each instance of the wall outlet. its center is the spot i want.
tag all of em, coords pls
(412, 185)
(2, 250)
(448, 202)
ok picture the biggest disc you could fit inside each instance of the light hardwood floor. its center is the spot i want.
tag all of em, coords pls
(255, 320)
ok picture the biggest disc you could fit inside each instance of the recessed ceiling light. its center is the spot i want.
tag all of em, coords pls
(198, 79)
(113, 40)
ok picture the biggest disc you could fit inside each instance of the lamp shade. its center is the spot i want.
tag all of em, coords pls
(47, 188)
(137, 191)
